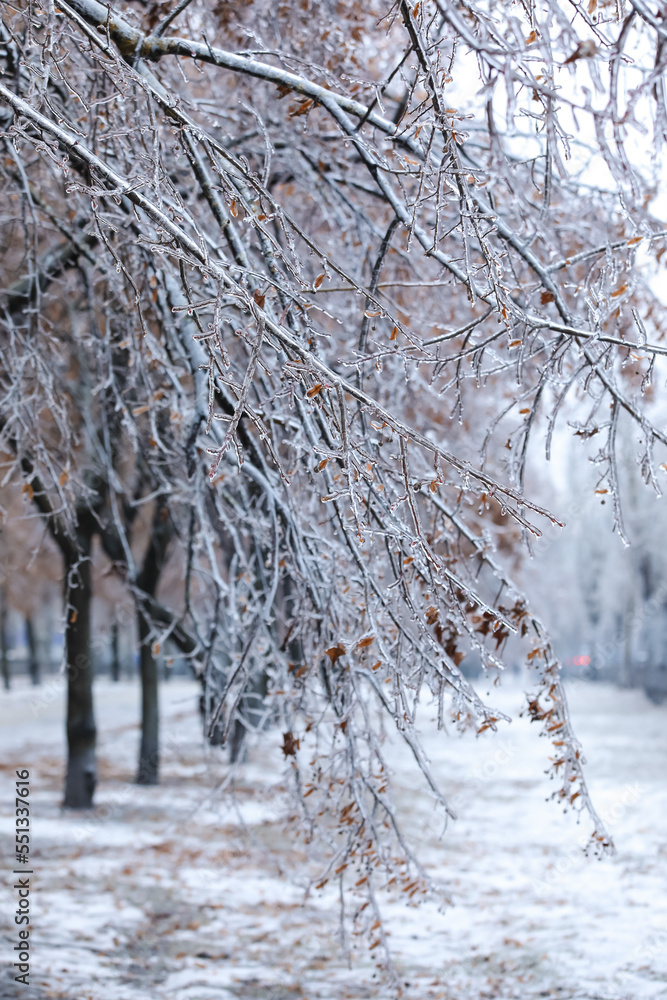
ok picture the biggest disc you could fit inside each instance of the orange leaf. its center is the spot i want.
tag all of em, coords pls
(303, 108)
(335, 652)
(314, 390)
(318, 280)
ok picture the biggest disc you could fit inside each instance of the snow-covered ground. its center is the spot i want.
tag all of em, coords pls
(179, 893)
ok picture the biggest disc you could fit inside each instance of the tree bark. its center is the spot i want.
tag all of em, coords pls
(149, 751)
(4, 657)
(81, 731)
(33, 658)
(147, 581)
(628, 667)
(115, 656)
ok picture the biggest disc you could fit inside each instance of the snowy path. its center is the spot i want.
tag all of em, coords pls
(170, 894)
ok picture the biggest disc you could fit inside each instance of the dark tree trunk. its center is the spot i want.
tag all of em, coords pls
(33, 658)
(115, 657)
(207, 705)
(147, 581)
(248, 716)
(81, 732)
(149, 751)
(237, 739)
(4, 652)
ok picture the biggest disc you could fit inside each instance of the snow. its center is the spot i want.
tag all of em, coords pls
(179, 893)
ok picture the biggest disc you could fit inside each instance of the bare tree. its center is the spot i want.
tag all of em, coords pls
(345, 269)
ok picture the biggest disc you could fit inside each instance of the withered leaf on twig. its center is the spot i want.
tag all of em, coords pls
(290, 744)
(335, 652)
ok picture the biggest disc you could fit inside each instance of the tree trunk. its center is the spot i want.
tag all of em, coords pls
(115, 656)
(628, 668)
(81, 732)
(33, 658)
(248, 716)
(149, 751)
(4, 657)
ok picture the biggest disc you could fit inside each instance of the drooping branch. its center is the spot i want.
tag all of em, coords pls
(218, 270)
